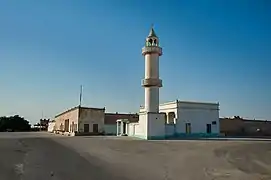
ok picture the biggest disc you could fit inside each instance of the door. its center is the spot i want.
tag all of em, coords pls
(188, 128)
(209, 128)
(66, 125)
(72, 127)
(95, 128)
(86, 128)
(124, 128)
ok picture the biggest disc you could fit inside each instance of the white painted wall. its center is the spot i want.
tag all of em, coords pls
(131, 128)
(168, 108)
(170, 129)
(141, 128)
(199, 115)
(51, 127)
(156, 125)
(150, 125)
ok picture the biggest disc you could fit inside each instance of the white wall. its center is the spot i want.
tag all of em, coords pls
(156, 125)
(131, 128)
(199, 115)
(170, 129)
(141, 127)
(51, 127)
(151, 125)
(168, 108)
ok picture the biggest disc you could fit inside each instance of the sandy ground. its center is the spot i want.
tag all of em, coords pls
(133, 159)
(36, 156)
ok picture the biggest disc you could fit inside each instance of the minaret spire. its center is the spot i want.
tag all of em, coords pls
(152, 33)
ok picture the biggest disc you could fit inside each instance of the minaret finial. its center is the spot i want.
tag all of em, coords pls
(152, 33)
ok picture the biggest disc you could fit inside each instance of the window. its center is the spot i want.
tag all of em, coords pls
(86, 128)
(95, 128)
(213, 122)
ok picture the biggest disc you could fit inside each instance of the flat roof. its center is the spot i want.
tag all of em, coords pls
(245, 119)
(117, 113)
(76, 107)
(190, 102)
(198, 102)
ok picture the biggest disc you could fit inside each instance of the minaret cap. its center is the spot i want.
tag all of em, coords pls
(152, 33)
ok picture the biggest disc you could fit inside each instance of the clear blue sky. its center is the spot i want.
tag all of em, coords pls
(215, 51)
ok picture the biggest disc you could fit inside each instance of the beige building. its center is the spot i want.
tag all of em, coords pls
(80, 121)
(238, 126)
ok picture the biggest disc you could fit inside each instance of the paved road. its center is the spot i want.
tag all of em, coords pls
(37, 157)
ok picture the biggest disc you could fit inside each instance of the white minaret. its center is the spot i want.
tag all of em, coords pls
(151, 124)
(151, 51)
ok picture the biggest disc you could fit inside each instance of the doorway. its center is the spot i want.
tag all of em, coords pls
(208, 128)
(86, 128)
(188, 128)
(95, 128)
(124, 128)
(66, 125)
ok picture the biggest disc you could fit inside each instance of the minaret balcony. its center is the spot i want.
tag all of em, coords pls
(151, 49)
(152, 82)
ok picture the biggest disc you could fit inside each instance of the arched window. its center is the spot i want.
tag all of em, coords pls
(150, 41)
(154, 42)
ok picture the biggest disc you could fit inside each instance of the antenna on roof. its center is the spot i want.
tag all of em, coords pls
(80, 98)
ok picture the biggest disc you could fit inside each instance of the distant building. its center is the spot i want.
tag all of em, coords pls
(88, 121)
(238, 126)
(44, 123)
(111, 120)
(80, 121)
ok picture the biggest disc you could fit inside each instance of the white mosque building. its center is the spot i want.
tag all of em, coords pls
(169, 120)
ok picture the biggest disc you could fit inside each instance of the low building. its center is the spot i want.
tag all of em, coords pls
(238, 126)
(183, 119)
(42, 125)
(110, 121)
(186, 118)
(80, 121)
